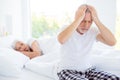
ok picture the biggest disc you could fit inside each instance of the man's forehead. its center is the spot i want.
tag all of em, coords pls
(88, 13)
(88, 16)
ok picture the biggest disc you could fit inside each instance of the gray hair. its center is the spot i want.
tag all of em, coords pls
(14, 43)
(87, 10)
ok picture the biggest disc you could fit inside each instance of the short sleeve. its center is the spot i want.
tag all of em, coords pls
(95, 32)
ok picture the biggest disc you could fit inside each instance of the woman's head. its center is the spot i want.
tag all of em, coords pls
(20, 46)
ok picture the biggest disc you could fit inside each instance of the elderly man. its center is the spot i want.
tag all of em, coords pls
(76, 42)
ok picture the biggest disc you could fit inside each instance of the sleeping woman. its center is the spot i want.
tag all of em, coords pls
(32, 49)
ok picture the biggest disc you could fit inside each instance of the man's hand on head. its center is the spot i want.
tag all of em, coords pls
(80, 13)
(93, 12)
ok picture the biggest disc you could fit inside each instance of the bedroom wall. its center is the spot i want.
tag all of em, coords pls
(106, 11)
(11, 16)
(14, 17)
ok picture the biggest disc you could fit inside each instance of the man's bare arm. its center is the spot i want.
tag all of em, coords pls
(105, 35)
(66, 34)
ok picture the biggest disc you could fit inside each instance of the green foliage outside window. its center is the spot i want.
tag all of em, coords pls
(43, 26)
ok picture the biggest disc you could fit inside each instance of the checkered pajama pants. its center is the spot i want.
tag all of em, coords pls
(89, 74)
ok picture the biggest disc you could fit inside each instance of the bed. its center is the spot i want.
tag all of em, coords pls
(39, 68)
(16, 66)
(27, 75)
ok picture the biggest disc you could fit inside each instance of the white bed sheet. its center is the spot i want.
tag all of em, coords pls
(27, 75)
(33, 73)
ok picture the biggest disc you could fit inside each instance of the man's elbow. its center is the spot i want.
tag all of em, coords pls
(60, 40)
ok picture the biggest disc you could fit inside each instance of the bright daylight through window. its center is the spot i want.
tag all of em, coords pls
(118, 25)
(49, 15)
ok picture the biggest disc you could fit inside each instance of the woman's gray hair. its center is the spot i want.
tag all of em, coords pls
(14, 44)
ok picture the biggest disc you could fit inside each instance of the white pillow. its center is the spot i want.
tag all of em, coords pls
(11, 62)
(108, 61)
(49, 45)
(44, 65)
(7, 41)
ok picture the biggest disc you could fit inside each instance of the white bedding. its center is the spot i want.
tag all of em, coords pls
(27, 75)
(45, 67)
(41, 72)
(106, 60)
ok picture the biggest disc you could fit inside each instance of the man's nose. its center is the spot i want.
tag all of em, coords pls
(86, 24)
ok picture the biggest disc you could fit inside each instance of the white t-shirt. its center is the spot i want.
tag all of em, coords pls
(75, 51)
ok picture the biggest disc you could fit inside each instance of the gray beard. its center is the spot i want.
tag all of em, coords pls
(79, 32)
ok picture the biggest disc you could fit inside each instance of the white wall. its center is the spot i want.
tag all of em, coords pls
(26, 19)
(14, 17)
(11, 15)
(106, 10)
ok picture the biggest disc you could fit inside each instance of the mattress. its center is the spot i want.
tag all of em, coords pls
(44, 67)
(27, 75)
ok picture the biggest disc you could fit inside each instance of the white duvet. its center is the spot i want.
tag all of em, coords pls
(44, 65)
(106, 60)
(102, 57)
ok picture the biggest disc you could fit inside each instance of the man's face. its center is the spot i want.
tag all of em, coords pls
(85, 24)
(20, 46)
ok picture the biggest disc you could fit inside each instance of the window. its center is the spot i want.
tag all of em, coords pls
(118, 25)
(49, 15)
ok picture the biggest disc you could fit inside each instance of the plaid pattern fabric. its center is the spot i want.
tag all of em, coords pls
(71, 75)
(89, 74)
(94, 74)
